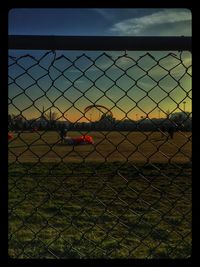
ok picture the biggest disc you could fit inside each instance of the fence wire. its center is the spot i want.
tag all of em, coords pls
(128, 194)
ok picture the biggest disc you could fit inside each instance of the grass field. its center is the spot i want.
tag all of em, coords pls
(125, 207)
(138, 147)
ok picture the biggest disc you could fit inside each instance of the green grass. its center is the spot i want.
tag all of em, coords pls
(94, 210)
(137, 147)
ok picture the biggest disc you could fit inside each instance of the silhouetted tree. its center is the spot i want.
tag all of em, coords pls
(51, 117)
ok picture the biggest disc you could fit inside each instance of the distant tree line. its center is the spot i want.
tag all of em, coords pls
(182, 121)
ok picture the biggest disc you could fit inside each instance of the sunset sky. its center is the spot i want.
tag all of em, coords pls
(110, 90)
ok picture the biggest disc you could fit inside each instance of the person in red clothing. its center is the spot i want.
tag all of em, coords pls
(82, 140)
(10, 136)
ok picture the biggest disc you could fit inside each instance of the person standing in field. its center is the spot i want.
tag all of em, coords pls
(63, 133)
(171, 131)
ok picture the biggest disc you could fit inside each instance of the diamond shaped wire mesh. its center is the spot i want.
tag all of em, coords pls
(128, 195)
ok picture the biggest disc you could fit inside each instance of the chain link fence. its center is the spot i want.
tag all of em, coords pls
(126, 194)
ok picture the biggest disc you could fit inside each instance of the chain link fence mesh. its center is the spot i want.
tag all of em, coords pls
(128, 195)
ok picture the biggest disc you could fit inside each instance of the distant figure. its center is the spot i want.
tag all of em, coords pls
(171, 131)
(10, 136)
(63, 133)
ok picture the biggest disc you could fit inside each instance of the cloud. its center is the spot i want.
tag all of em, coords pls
(105, 14)
(165, 22)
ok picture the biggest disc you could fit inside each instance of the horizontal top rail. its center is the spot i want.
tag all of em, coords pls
(99, 43)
